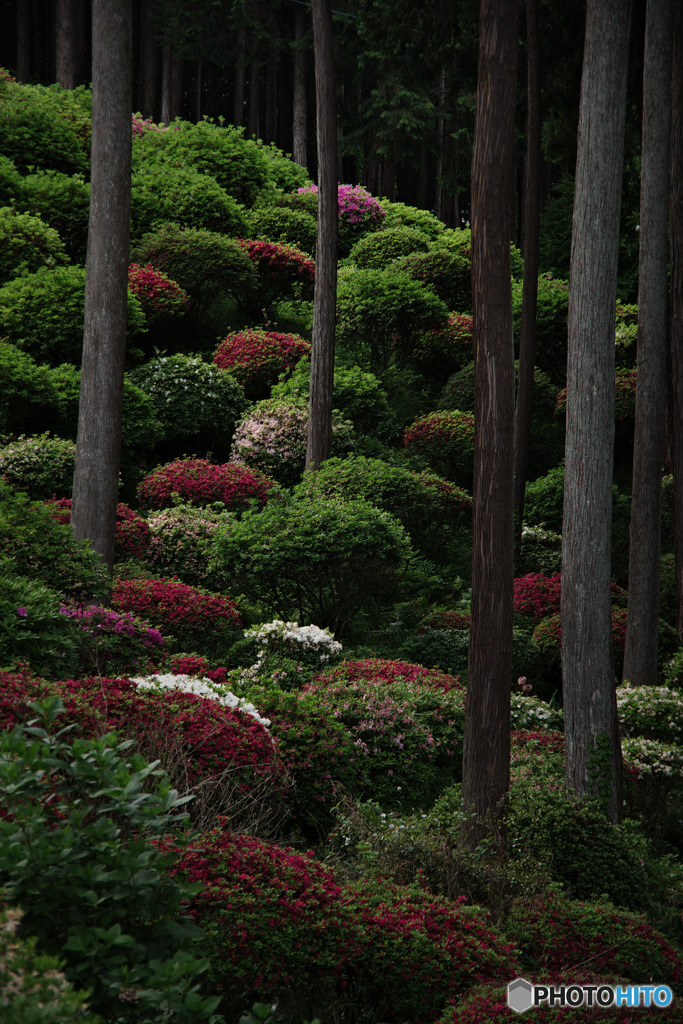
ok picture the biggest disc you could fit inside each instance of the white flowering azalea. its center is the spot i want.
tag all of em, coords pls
(652, 758)
(657, 710)
(531, 713)
(202, 687)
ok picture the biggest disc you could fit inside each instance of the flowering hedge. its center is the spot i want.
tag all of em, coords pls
(191, 615)
(200, 482)
(132, 531)
(279, 264)
(181, 541)
(381, 670)
(536, 596)
(159, 296)
(256, 358)
(116, 643)
(445, 441)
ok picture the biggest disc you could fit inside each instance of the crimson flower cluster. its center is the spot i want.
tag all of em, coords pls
(201, 482)
(132, 531)
(258, 357)
(281, 259)
(177, 608)
(383, 670)
(158, 294)
(446, 620)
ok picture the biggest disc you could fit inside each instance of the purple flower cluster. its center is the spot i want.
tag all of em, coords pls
(355, 205)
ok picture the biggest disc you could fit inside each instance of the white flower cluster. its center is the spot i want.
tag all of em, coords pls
(308, 638)
(532, 713)
(654, 709)
(202, 687)
(652, 758)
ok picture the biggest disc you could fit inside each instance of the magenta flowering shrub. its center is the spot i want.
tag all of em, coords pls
(445, 441)
(278, 266)
(272, 437)
(388, 671)
(132, 531)
(200, 482)
(257, 357)
(181, 539)
(449, 619)
(536, 595)
(191, 615)
(159, 296)
(115, 642)
(355, 205)
(141, 125)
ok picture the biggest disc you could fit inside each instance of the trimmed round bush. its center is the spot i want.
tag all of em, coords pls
(43, 314)
(191, 398)
(159, 296)
(256, 358)
(359, 396)
(28, 397)
(380, 248)
(161, 194)
(181, 541)
(380, 313)
(26, 243)
(200, 482)
(192, 615)
(272, 437)
(448, 274)
(442, 351)
(132, 531)
(45, 126)
(284, 225)
(433, 511)
(41, 466)
(399, 215)
(322, 560)
(445, 441)
(282, 271)
(62, 201)
(359, 212)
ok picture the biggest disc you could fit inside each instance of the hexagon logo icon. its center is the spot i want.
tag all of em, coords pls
(520, 995)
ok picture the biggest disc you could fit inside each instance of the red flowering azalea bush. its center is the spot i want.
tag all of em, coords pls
(278, 266)
(536, 595)
(200, 482)
(257, 357)
(445, 441)
(18, 688)
(192, 616)
(159, 296)
(384, 670)
(450, 619)
(132, 531)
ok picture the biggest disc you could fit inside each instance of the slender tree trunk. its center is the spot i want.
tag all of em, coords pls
(438, 196)
(66, 43)
(171, 86)
(23, 41)
(270, 121)
(98, 445)
(325, 292)
(642, 631)
(238, 84)
(486, 754)
(299, 111)
(254, 99)
(532, 221)
(676, 317)
(197, 112)
(593, 755)
(149, 62)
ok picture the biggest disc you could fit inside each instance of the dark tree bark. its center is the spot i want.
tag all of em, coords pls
(270, 119)
(642, 630)
(593, 754)
(325, 292)
(486, 755)
(197, 104)
(149, 62)
(676, 317)
(438, 192)
(254, 99)
(23, 41)
(532, 222)
(66, 43)
(238, 81)
(95, 489)
(171, 86)
(299, 105)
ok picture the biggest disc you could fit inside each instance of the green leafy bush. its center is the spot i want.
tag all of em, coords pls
(282, 224)
(28, 397)
(359, 396)
(78, 855)
(45, 550)
(551, 325)
(398, 215)
(182, 540)
(380, 248)
(43, 314)
(283, 173)
(322, 559)
(381, 312)
(447, 273)
(447, 649)
(41, 466)
(62, 201)
(185, 196)
(10, 181)
(445, 442)
(26, 243)
(45, 126)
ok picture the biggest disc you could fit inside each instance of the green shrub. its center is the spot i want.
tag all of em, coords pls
(45, 550)
(28, 396)
(447, 273)
(541, 552)
(26, 243)
(41, 466)
(33, 988)
(182, 540)
(43, 314)
(380, 248)
(10, 181)
(444, 441)
(282, 224)
(381, 312)
(357, 395)
(400, 215)
(433, 512)
(322, 559)
(78, 855)
(447, 649)
(33, 631)
(45, 126)
(161, 194)
(62, 201)
(192, 399)
(283, 173)
(551, 325)
(220, 151)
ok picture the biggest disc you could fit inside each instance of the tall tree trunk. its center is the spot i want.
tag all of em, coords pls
(238, 82)
(254, 99)
(486, 754)
(23, 41)
(270, 121)
(197, 111)
(66, 43)
(149, 62)
(325, 291)
(676, 318)
(593, 754)
(98, 444)
(299, 107)
(171, 86)
(438, 197)
(642, 630)
(532, 221)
